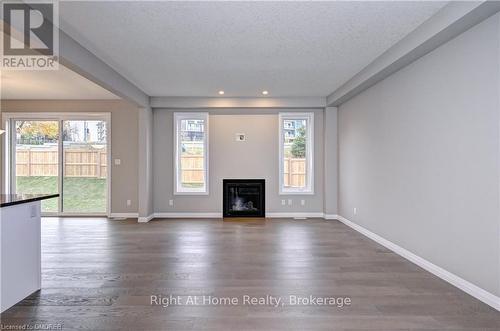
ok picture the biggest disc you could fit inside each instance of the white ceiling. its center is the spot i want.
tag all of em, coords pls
(50, 84)
(198, 48)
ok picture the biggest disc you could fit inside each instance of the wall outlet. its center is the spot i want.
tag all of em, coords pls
(118, 161)
(129, 202)
(170, 202)
(289, 202)
(302, 202)
(283, 202)
(355, 210)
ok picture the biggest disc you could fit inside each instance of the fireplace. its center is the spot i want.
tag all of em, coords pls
(244, 198)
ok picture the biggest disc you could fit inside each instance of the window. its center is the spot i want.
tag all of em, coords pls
(296, 148)
(191, 153)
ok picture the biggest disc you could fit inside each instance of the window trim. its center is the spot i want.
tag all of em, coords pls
(309, 189)
(178, 117)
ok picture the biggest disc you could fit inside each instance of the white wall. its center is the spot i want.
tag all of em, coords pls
(255, 158)
(419, 157)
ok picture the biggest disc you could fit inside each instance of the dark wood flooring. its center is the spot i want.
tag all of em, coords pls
(100, 275)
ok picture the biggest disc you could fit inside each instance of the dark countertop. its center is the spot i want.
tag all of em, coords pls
(17, 199)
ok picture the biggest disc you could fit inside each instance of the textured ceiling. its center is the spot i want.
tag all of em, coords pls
(198, 48)
(50, 84)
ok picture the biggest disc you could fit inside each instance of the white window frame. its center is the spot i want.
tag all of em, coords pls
(178, 189)
(309, 188)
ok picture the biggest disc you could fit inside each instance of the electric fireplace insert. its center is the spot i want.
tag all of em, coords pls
(244, 198)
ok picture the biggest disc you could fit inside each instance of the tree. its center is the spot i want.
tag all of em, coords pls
(299, 144)
(101, 131)
(70, 131)
(44, 129)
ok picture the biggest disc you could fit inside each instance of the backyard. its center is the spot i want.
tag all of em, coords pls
(81, 194)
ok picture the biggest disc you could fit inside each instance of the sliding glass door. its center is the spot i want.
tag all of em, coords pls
(61, 153)
(85, 158)
(37, 159)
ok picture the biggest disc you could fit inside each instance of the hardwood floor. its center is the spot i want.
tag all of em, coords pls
(100, 275)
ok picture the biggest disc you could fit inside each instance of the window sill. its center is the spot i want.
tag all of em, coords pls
(191, 193)
(296, 193)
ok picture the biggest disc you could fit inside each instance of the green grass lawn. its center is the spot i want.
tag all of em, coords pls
(82, 195)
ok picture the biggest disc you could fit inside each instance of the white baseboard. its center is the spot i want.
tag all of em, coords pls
(124, 215)
(466, 286)
(295, 215)
(188, 215)
(146, 219)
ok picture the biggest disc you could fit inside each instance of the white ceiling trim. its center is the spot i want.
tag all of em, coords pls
(449, 22)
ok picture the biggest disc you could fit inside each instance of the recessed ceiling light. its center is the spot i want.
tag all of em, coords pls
(221, 92)
(265, 92)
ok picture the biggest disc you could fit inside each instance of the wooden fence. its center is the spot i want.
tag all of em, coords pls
(77, 162)
(192, 171)
(295, 172)
(93, 163)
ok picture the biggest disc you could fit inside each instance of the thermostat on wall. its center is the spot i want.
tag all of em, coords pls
(240, 137)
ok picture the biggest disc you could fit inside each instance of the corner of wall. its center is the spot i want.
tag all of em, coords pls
(145, 168)
(330, 206)
(497, 17)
